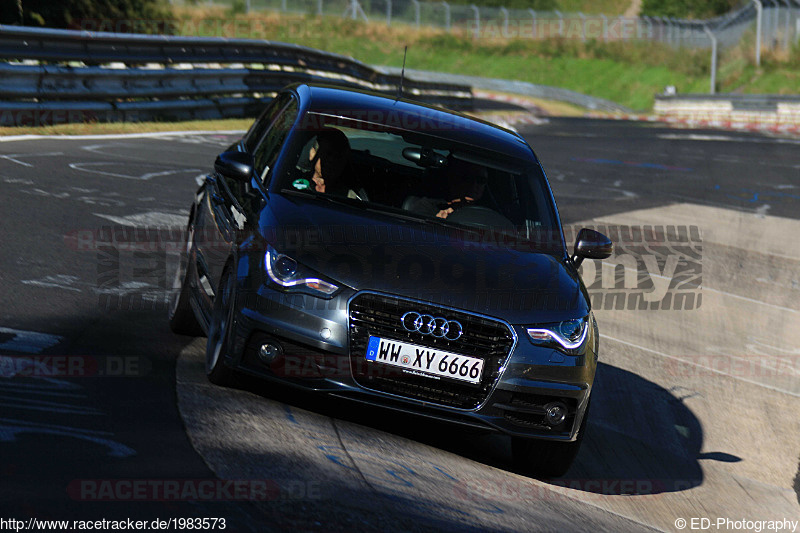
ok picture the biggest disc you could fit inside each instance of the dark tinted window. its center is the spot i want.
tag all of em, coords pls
(266, 152)
(260, 126)
(421, 175)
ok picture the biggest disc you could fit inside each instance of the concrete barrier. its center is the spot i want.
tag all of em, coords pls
(777, 113)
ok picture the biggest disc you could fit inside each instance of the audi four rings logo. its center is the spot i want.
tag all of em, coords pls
(432, 325)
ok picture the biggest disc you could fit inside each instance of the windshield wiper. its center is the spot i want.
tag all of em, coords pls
(327, 197)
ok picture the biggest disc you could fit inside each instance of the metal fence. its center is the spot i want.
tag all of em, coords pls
(780, 25)
(51, 76)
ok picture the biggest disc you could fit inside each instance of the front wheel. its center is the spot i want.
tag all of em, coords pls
(544, 458)
(181, 316)
(221, 331)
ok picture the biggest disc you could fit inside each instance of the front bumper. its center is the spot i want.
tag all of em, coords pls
(322, 349)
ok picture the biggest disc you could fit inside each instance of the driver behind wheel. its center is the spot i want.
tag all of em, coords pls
(466, 183)
(461, 184)
(329, 158)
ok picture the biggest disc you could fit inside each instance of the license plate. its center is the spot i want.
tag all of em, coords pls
(425, 361)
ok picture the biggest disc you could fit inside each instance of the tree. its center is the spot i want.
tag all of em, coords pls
(101, 15)
(688, 9)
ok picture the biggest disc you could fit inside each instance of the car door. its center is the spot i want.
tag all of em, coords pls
(226, 203)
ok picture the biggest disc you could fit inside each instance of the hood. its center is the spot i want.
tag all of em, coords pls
(428, 261)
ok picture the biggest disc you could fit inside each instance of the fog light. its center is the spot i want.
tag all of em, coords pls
(555, 413)
(325, 333)
(268, 352)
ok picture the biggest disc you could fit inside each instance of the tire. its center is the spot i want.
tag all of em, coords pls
(182, 319)
(221, 330)
(544, 458)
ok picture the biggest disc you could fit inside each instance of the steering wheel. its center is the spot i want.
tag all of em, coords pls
(478, 215)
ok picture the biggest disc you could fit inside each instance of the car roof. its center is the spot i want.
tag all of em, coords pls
(410, 115)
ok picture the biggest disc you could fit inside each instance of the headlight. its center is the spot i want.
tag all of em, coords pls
(568, 336)
(289, 275)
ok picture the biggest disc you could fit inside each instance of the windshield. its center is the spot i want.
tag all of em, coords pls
(425, 176)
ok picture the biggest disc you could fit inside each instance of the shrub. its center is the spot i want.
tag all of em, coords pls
(688, 9)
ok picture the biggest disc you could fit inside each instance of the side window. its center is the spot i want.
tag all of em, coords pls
(266, 153)
(264, 121)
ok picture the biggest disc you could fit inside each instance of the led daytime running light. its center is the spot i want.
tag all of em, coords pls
(312, 283)
(544, 334)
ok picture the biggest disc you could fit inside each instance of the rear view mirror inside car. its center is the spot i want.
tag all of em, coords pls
(425, 157)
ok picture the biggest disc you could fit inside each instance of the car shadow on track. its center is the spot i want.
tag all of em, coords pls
(797, 482)
(641, 438)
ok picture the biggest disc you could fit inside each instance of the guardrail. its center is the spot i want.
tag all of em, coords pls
(545, 92)
(51, 76)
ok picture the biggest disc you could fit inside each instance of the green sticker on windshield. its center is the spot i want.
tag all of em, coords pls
(301, 184)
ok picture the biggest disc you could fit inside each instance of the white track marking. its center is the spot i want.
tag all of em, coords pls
(27, 341)
(14, 158)
(103, 200)
(11, 158)
(59, 281)
(13, 401)
(599, 193)
(151, 219)
(697, 137)
(42, 388)
(49, 194)
(711, 369)
(13, 138)
(762, 211)
(20, 181)
(128, 287)
(9, 429)
(86, 167)
(726, 138)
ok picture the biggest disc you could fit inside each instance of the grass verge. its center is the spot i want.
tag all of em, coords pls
(627, 72)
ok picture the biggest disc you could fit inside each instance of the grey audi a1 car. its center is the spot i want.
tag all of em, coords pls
(381, 250)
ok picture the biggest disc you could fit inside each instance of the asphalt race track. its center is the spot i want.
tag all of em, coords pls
(696, 410)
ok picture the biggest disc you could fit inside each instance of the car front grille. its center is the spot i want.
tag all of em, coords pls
(380, 316)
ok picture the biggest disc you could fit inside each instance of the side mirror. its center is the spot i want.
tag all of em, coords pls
(591, 244)
(235, 165)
